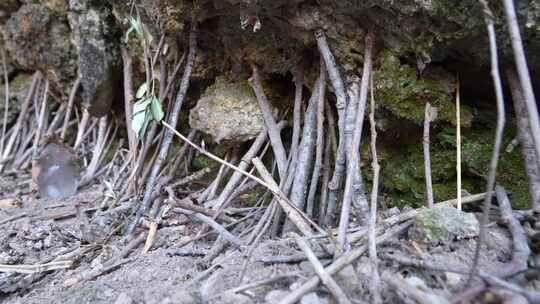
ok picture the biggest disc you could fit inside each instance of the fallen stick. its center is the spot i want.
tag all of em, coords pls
(36, 268)
(107, 266)
(339, 264)
(273, 189)
(501, 119)
(293, 214)
(10, 203)
(419, 296)
(215, 225)
(520, 254)
(291, 259)
(186, 204)
(271, 125)
(71, 101)
(326, 279)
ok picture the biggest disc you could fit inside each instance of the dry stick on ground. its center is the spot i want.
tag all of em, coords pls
(173, 119)
(21, 118)
(128, 98)
(430, 115)
(270, 186)
(40, 123)
(306, 148)
(523, 72)
(57, 117)
(375, 286)
(293, 214)
(520, 253)
(98, 150)
(458, 145)
(82, 128)
(319, 147)
(355, 146)
(418, 295)
(215, 225)
(109, 265)
(343, 261)
(488, 15)
(330, 212)
(6, 99)
(326, 279)
(341, 104)
(325, 178)
(71, 102)
(187, 204)
(271, 125)
(359, 200)
(532, 297)
(36, 268)
(293, 155)
(530, 160)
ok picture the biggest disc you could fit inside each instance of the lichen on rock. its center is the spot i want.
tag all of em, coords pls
(443, 224)
(228, 111)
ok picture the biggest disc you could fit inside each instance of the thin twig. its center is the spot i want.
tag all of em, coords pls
(498, 134)
(526, 141)
(21, 118)
(306, 148)
(375, 286)
(523, 72)
(128, 99)
(326, 279)
(36, 268)
(429, 116)
(339, 264)
(458, 145)
(341, 104)
(355, 146)
(271, 125)
(319, 147)
(6, 99)
(71, 102)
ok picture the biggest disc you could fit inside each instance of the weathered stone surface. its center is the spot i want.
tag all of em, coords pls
(38, 38)
(443, 224)
(228, 112)
(96, 40)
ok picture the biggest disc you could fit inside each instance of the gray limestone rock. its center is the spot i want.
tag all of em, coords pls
(228, 112)
(38, 38)
(442, 225)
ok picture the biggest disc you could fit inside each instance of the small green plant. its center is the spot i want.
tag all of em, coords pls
(147, 107)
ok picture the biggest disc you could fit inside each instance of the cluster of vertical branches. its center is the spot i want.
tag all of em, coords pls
(313, 184)
(40, 121)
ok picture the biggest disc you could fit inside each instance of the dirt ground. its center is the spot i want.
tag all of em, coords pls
(202, 271)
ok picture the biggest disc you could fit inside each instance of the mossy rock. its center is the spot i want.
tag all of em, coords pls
(399, 89)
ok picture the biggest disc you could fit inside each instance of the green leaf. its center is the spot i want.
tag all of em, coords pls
(142, 90)
(141, 105)
(157, 110)
(145, 124)
(138, 121)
